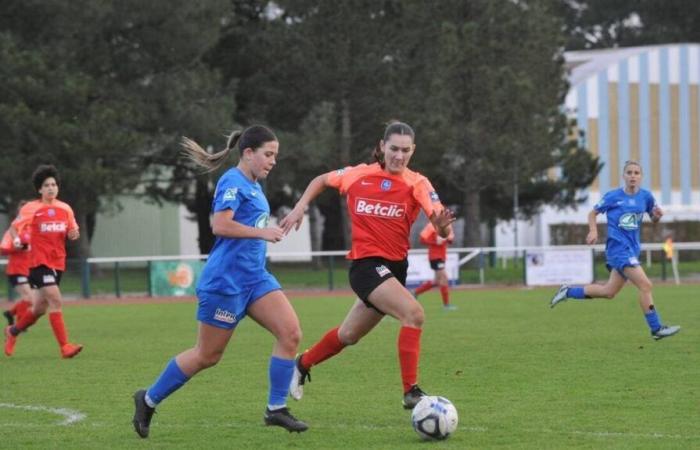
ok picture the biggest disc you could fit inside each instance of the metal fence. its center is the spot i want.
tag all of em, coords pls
(327, 270)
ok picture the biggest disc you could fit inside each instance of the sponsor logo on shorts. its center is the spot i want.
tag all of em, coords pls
(48, 279)
(376, 208)
(230, 194)
(383, 270)
(634, 261)
(224, 316)
(53, 227)
(22, 279)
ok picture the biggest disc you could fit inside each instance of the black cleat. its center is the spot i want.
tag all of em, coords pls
(282, 418)
(412, 397)
(142, 414)
(300, 377)
(10, 318)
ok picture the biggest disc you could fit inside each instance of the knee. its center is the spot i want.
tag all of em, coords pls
(208, 359)
(290, 339)
(645, 286)
(415, 316)
(348, 336)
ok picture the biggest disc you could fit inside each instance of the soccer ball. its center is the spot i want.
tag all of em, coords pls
(434, 418)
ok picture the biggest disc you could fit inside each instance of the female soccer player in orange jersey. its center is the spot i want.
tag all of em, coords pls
(437, 255)
(384, 199)
(50, 221)
(17, 270)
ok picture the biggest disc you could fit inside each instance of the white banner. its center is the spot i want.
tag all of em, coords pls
(419, 269)
(555, 267)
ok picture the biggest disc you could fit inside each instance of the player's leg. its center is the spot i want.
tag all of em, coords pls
(608, 290)
(24, 295)
(444, 283)
(274, 312)
(392, 298)
(639, 278)
(30, 316)
(52, 294)
(211, 343)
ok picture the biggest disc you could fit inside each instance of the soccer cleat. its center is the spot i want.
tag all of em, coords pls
(301, 375)
(283, 418)
(10, 341)
(412, 397)
(142, 414)
(70, 350)
(665, 331)
(559, 297)
(10, 318)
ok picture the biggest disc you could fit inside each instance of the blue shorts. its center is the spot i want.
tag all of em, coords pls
(227, 310)
(619, 260)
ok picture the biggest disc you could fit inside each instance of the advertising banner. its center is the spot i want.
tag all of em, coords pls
(556, 267)
(174, 278)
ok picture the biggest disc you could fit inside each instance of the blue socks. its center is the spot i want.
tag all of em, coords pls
(576, 292)
(280, 372)
(653, 320)
(168, 382)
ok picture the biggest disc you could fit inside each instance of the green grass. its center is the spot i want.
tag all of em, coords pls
(584, 375)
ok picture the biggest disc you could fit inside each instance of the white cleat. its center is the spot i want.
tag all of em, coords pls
(559, 297)
(296, 386)
(665, 331)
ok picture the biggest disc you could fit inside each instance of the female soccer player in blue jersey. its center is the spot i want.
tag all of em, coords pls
(625, 208)
(234, 282)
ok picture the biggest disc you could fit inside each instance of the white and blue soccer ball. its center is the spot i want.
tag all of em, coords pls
(434, 418)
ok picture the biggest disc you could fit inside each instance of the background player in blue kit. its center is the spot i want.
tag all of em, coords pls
(625, 208)
(234, 282)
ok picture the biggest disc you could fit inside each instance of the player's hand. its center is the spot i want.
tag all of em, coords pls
(592, 237)
(17, 243)
(656, 213)
(292, 220)
(272, 234)
(444, 218)
(73, 234)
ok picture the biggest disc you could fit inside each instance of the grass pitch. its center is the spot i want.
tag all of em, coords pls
(583, 375)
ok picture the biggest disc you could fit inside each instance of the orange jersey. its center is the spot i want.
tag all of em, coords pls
(382, 208)
(49, 226)
(437, 246)
(17, 259)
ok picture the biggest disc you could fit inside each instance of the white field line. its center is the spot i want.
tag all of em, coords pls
(70, 416)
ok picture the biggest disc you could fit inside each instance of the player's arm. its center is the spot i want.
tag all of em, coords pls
(223, 225)
(296, 215)
(592, 227)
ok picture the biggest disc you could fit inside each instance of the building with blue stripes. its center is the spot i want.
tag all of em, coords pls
(639, 103)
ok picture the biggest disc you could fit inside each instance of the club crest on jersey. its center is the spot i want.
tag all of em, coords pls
(376, 208)
(434, 197)
(51, 212)
(230, 194)
(262, 221)
(386, 185)
(383, 270)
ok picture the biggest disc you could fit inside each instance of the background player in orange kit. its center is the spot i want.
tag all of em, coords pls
(437, 255)
(384, 199)
(17, 270)
(51, 221)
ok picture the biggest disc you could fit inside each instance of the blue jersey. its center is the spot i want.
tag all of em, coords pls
(625, 213)
(233, 263)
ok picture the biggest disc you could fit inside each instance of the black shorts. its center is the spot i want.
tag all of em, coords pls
(437, 264)
(368, 273)
(16, 280)
(42, 276)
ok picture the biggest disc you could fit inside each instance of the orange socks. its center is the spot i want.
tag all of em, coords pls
(428, 285)
(445, 293)
(409, 352)
(328, 346)
(59, 329)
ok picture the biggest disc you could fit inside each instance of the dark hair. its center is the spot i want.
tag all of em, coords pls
(252, 137)
(393, 127)
(43, 172)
